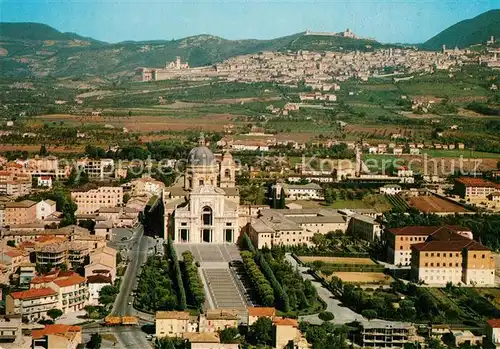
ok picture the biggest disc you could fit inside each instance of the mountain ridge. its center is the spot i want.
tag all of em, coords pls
(467, 32)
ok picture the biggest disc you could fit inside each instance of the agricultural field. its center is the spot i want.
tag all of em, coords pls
(434, 204)
(363, 278)
(398, 203)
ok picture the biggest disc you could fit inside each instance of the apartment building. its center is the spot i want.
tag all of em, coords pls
(48, 166)
(174, 323)
(32, 303)
(294, 226)
(95, 283)
(15, 183)
(22, 212)
(71, 288)
(11, 333)
(90, 201)
(447, 256)
(400, 240)
(97, 168)
(59, 251)
(383, 334)
(286, 331)
(475, 188)
(102, 262)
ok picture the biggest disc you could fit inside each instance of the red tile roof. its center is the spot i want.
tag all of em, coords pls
(98, 279)
(286, 322)
(261, 311)
(54, 329)
(495, 323)
(33, 293)
(454, 245)
(476, 182)
(426, 230)
(70, 281)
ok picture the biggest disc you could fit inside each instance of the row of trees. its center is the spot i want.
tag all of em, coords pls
(263, 287)
(278, 203)
(155, 291)
(282, 301)
(299, 294)
(193, 281)
(177, 275)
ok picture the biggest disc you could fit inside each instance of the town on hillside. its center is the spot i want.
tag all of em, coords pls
(330, 193)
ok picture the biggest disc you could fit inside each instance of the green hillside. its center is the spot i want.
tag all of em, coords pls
(468, 32)
(31, 49)
(35, 32)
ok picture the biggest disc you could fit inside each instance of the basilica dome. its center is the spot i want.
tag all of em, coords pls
(200, 156)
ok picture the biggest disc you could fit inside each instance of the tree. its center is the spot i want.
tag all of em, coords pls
(72, 177)
(43, 150)
(95, 341)
(88, 224)
(282, 202)
(107, 294)
(84, 178)
(260, 332)
(326, 316)
(369, 313)
(54, 313)
(273, 198)
(126, 198)
(11, 243)
(229, 335)
(498, 165)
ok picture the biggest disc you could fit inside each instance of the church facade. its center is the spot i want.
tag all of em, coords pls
(205, 209)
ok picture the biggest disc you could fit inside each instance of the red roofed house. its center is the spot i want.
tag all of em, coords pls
(96, 283)
(32, 303)
(286, 331)
(13, 259)
(400, 240)
(447, 256)
(475, 188)
(72, 289)
(254, 313)
(493, 333)
(58, 336)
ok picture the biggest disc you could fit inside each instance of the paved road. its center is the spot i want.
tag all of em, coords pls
(342, 314)
(131, 337)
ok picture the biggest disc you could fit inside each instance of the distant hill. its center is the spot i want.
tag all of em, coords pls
(32, 49)
(468, 32)
(36, 32)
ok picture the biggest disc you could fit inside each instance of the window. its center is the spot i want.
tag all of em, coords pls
(207, 216)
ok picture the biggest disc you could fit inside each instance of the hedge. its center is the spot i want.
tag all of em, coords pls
(260, 282)
(193, 281)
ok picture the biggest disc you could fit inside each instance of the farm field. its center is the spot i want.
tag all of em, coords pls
(144, 123)
(436, 153)
(434, 204)
(363, 278)
(337, 260)
(398, 202)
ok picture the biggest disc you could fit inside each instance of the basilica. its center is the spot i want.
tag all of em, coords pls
(205, 208)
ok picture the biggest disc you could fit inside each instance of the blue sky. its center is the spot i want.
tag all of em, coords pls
(114, 20)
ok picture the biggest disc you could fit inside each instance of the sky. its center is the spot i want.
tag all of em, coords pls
(119, 20)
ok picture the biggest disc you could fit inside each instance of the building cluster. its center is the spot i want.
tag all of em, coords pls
(288, 227)
(319, 69)
(439, 255)
(202, 331)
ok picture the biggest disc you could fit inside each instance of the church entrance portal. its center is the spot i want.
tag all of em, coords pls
(229, 235)
(206, 235)
(184, 235)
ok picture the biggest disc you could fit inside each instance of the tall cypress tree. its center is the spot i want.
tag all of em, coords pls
(282, 198)
(273, 200)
